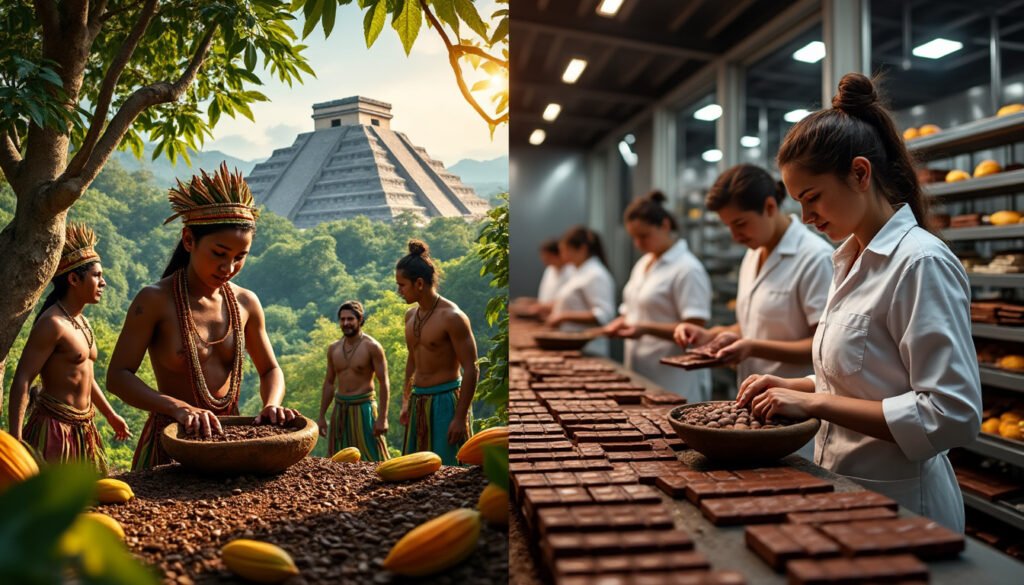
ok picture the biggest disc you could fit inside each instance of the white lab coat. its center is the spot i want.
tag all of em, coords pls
(675, 288)
(897, 329)
(554, 278)
(590, 288)
(783, 301)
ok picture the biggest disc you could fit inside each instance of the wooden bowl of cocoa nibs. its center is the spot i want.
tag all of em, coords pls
(243, 448)
(724, 432)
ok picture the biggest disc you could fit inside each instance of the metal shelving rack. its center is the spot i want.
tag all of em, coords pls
(975, 136)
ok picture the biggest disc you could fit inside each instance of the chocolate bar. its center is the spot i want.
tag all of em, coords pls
(920, 536)
(834, 516)
(767, 509)
(878, 569)
(778, 544)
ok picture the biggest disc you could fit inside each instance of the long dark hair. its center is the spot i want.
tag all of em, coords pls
(581, 236)
(418, 263)
(181, 256)
(857, 125)
(61, 285)
(650, 209)
(746, 186)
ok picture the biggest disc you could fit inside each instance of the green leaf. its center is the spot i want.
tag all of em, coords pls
(374, 21)
(250, 56)
(500, 31)
(329, 11)
(467, 12)
(35, 514)
(446, 12)
(496, 465)
(312, 10)
(407, 23)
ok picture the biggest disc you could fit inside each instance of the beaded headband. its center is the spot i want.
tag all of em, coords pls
(213, 199)
(79, 248)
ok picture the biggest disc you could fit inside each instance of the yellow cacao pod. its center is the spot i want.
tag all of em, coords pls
(347, 455)
(472, 452)
(104, 520)
(1010, 109)
(910, 134)
(411, 466)
(987, 167)
(258, 561)
(1004, 218)
(493, 505)
(113, 491)
(435, 545)
(16, 464)
(957, 175)
(928, 130)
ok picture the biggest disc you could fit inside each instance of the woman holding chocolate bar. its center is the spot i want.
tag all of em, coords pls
(896, 381)
(783, 280)
(588, 298)
(667, 286)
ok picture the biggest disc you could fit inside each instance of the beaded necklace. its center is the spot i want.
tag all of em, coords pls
(90, 337)
(349, 353)
(418, 323)
(189, 334)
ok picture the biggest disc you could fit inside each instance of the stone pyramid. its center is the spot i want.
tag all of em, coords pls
(352, 164)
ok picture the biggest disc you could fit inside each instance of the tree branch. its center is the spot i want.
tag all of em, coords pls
(10, 158)
(65, 192)
(106, 92)
(480, 53)
(46, 12)
(96, 10)
(112, 13)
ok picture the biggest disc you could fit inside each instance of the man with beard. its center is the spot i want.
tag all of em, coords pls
(436, 399)
(62, 349)
(352, 362)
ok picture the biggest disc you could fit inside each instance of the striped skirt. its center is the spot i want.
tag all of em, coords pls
(431, 411)
(61, 433)
(351, 425)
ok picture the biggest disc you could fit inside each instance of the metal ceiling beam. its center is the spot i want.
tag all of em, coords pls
(688, 10)
(595, 94)
(659, 78)
(638, 67)
(566, 120)
(727, 19)
(586, 8)
(609, 40)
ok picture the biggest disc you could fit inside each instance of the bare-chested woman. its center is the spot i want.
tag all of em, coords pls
(435, 399)
(352, 363)
(62, 350)
(196, 325)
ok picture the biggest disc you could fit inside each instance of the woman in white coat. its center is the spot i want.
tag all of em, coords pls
(557, 272)
(896, 379)
(667, 286)
(588, 298)
(783, 280)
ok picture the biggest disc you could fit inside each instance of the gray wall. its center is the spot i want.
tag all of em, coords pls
(549, 194)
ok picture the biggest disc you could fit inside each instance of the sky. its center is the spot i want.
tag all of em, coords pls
(421, 88)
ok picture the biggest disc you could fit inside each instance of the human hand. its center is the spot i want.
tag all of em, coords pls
(277, 415)
(783, 403)
(198, 421)
(756, 384)
(735, 352)
(380, 427)
(553, 320)
(612, 329)
(322, 424)
(687, 334)
(457, 430)
(403, 417)
(121, 430)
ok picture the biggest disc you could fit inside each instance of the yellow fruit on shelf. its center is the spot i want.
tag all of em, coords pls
(435, 545)
(928, 130)
(411, 466)
(472, 452)
(1010, 416)
(16, 463)
(1011, 362)
(1005, 218)
(347, 455)
(1011, 430)
(258, 561)
(910, 133)
(987, 167)
(1010, 109)
(113, 491)
(956, 175)
(990, 426)
(493, 505)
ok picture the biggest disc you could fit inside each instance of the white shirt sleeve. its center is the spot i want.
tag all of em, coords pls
(693, 294)
(930, 319)
(813, 288)
(600, 297)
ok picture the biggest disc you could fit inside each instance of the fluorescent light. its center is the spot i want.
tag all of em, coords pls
(795, 115)
(609, 8)
(551, 112)
(537, 137)
(573, 70)
(709, 113)
(812, 52)
(750, 141)
(627, 154)
(937, 48)
(712, 156)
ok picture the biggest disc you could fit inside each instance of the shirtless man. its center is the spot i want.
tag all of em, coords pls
(435, 399)
(62, 348)
(352, 362)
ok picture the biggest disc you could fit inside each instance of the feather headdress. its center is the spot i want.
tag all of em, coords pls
(222, 197)
(79, 248)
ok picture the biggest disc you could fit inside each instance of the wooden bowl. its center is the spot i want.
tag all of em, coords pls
(743, 445)
(265, 455)
(563, 340)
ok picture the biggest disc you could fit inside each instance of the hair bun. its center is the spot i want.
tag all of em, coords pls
(418, 248)
(657, 197)
(856, 94)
